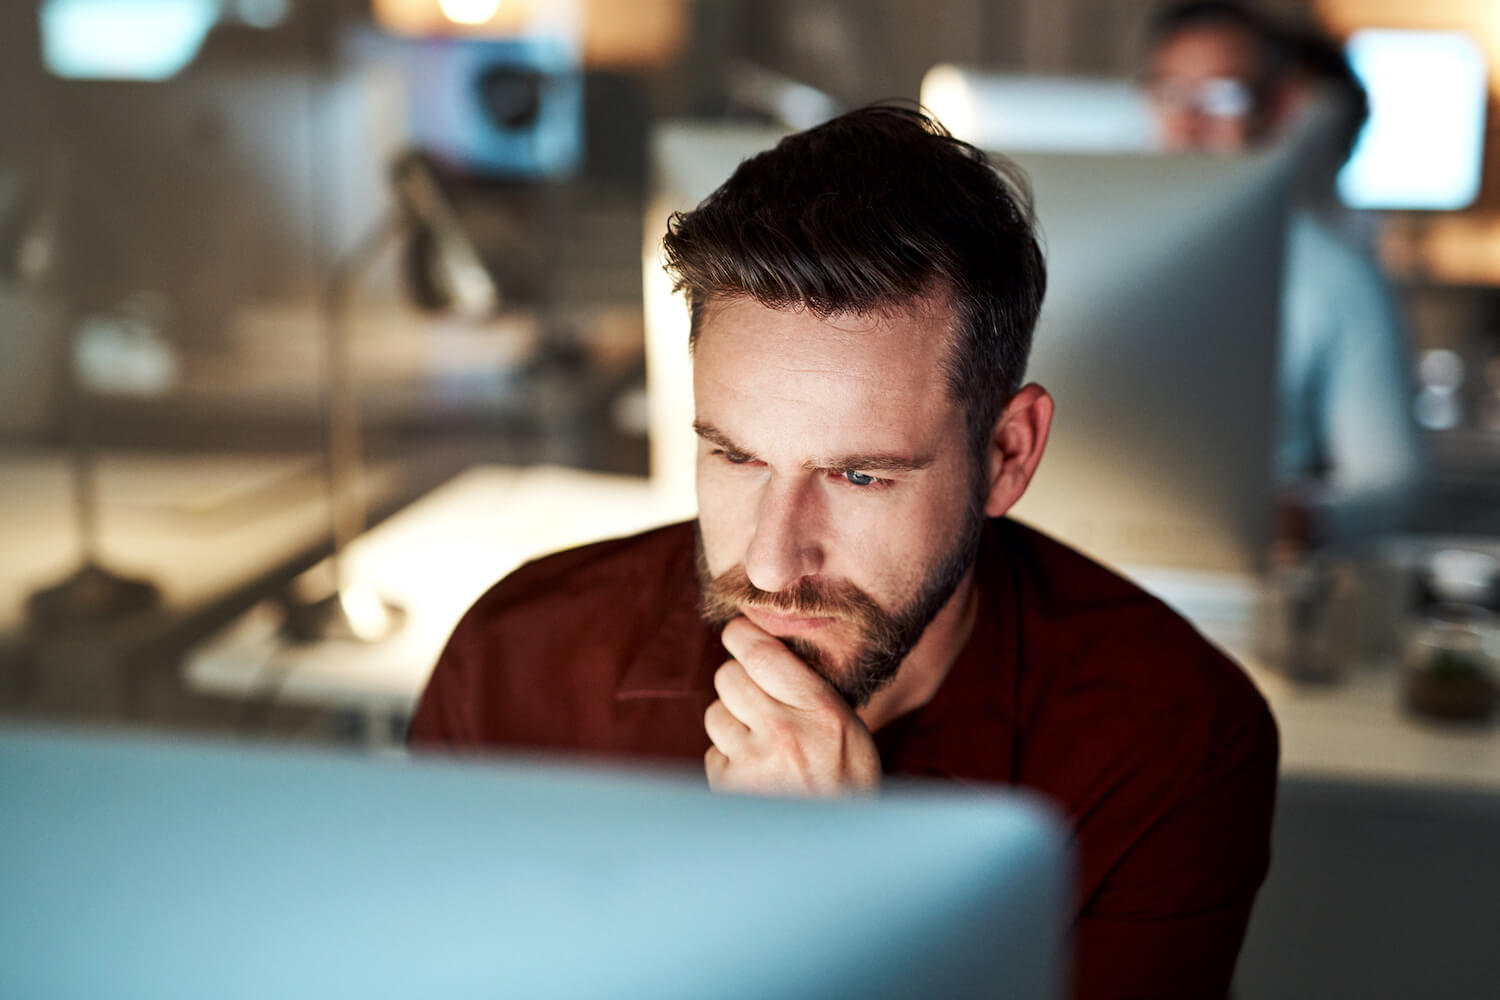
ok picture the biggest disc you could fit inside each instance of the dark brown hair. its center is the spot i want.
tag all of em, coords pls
(875, 210)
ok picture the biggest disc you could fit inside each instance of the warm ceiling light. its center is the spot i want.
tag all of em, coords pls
(469, 11)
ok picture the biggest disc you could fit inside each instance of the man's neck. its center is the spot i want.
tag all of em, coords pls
(927, 665)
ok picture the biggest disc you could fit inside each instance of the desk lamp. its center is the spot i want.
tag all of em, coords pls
(446, 269)
(101, 40)
(92, 594)
(496, 91)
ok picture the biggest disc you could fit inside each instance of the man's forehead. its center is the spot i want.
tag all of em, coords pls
(925, 325)
(792, 380)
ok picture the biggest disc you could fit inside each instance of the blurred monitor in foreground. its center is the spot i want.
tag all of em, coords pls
(1424, 143)
(137, 868)
(1158, 341)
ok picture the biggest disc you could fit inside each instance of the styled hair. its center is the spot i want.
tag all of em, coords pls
(875, 210)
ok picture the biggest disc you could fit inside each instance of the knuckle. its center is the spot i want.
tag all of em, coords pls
(826, 716)
(760, 661)
(781, 732)
(724, 677)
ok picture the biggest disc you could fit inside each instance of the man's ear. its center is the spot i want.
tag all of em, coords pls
(1015, 447)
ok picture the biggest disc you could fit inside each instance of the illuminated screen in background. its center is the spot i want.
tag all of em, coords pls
(1423, 144)
(1038, 114)
(138, 39)
(125, 39)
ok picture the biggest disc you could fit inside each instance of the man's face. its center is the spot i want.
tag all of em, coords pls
(836, 494)
(1202, 84)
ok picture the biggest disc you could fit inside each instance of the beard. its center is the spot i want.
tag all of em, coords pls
(885, 637)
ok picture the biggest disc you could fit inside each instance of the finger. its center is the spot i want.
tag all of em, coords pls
(715, 764)
(775, 669)
(742, 696)
(729, 735)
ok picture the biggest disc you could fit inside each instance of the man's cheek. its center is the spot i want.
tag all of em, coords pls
(726, 531)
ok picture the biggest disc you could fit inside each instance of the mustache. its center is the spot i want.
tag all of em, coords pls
(725, 595)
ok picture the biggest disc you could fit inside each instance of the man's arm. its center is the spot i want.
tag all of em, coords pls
(443, 718)
(1375, 450)
(1169, 919)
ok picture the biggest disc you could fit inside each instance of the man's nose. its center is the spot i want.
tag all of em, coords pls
(785, 546)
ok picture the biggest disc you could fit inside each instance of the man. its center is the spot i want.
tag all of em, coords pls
(851, 602)
(1222, 78)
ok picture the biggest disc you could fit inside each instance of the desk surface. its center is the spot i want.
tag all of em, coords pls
(438, 555)
(197, 525)
(434, 559)
(214, 532)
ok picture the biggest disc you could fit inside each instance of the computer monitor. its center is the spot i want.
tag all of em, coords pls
(1158, 340)
(1034, 113)
(141, 868)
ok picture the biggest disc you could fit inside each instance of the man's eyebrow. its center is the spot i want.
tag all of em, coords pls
(874, 463)
(871, 462)
(713, 435)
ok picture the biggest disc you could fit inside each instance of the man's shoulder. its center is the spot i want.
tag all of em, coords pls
(650, 554)
(538, 659)
(636, 567)
(592, 607)
(1134, 720)
(1060, 583)
(1107, 633)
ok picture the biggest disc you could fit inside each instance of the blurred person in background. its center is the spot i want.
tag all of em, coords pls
(1224, 78)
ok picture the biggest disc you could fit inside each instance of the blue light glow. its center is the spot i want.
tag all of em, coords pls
(1423, 145)
(123, 39)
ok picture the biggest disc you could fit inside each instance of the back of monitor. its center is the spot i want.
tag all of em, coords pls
(140, 868)
(1158, 341)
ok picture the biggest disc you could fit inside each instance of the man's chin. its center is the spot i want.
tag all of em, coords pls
(834, 666)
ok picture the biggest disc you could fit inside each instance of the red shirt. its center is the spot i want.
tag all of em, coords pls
(1075, 684)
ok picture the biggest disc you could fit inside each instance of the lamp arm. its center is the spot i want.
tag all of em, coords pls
(346, 500)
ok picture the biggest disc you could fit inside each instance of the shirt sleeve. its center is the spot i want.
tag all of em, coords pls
(1171, 917)
(1163, 756)
(444, 717)
(1363, 404)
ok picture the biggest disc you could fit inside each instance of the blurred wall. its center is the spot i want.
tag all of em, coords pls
(865, 50)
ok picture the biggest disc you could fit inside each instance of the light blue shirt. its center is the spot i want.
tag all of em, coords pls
(1347, 441)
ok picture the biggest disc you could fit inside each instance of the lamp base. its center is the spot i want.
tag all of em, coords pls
(89, 597)
(353, 613)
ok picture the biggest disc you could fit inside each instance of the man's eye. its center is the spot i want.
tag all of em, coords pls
(859, 478)
(735, 457)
